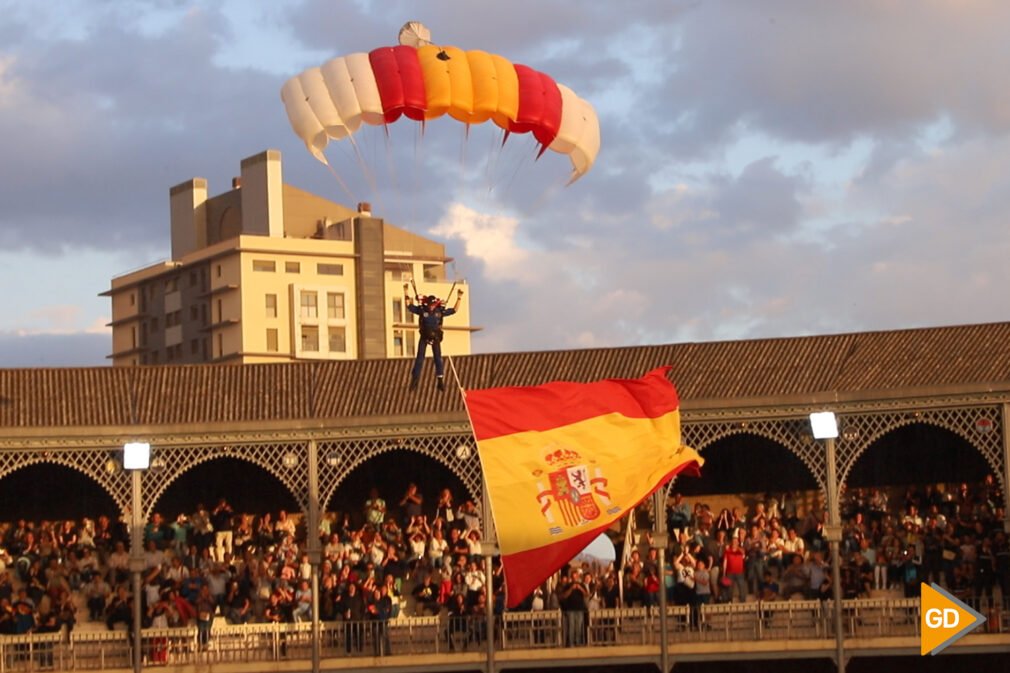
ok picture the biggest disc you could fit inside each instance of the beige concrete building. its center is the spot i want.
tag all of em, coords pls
(267, 272)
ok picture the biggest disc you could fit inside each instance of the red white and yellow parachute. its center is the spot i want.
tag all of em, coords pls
(422, 81)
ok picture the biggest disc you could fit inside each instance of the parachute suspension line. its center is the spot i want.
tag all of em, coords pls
(464, 178)
(520, 163)
(553, 187)
(366, 170)
(341, 182)
(492, 160)
(415, 171)
(391, 170)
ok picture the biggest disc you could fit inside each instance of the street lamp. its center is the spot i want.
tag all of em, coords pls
(136, 458)
(824, 426)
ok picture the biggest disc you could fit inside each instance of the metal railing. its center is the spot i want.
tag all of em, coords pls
(551, 629)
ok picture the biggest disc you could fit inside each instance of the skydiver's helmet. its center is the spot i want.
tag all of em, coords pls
(432, 301)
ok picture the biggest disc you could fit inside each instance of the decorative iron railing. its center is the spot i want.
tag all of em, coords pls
(448, 636)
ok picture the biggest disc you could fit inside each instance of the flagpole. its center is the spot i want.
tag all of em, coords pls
(629, 540)
(489, 545)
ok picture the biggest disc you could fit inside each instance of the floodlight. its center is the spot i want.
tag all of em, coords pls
(824, 425)
(136, 456)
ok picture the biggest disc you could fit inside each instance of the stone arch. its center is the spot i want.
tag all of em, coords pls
(736, 473)
(980, 427)
(100, 465)
(171, 463)
(791, 434)
(923, 433)
(457, 453)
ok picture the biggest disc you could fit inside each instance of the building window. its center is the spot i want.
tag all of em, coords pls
(154, 324)
(220, 310)
(172, 284)
(410, 343)
(194, 313)
(154, 357)
(292, 267)
(309, 306)
(338, 338)
(271, 306)
(218, 271)
(133, 299)
(193, 278)
(398, 343)
(133, 336)
(264, 265)
(397, 310)
(335, 305)
(220, 345)
(310, 338)
(272, 340)
(194, 346)
(330, 269)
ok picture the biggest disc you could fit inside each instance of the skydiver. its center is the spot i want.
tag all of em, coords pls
(430, 314)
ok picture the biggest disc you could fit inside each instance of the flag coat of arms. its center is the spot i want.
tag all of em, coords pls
(563, 461)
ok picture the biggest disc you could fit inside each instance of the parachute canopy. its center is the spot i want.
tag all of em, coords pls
(422, 81)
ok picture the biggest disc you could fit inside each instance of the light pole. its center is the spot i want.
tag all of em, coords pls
(660, 540)
(136, 458)
(489, 549)
(313, 547)
(824, 426)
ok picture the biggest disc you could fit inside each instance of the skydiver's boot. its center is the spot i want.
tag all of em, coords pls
(440, 384)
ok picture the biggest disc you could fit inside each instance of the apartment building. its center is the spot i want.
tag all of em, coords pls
(267, 272)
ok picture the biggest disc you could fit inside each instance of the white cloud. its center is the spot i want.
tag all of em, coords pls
(8, 82)
(767, 168)
(490, 239)
(60, 319)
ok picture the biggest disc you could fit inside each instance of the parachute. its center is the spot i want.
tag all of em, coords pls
(422, 81)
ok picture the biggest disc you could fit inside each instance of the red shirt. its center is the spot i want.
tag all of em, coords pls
(734, 560)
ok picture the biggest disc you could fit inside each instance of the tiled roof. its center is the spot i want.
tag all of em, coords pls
(732, 372)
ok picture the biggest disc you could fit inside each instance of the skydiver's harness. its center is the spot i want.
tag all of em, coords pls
(429, 335)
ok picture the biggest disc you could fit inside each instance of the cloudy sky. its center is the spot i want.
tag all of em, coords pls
(768, 168)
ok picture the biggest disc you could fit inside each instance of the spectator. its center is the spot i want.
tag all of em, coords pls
(678, 515)
(733, 571)
(572, 595)
(97, 592)
(768, 589)
(379, 612)
(411, 503)
(375, 509)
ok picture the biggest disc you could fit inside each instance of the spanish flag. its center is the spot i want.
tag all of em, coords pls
(563, 461)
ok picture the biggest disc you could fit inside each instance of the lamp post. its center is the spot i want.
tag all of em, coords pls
(824, 426)
(660, 540)
(313, 547)
(136, 458)
(489, 549)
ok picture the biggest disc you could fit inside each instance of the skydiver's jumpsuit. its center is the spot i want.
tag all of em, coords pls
(430, 323)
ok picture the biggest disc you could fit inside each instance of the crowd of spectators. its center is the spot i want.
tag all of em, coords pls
(381, 559)
(951, 534)
(247, 568)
